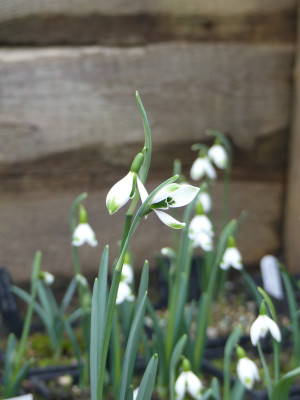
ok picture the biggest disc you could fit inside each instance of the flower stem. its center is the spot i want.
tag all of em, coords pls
(266, 369)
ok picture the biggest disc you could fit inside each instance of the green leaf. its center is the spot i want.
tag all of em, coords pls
(173, 363)
(147, 383)
(281, 390)
(99, 298)
(131, 348)
(229, 347)
(215, 387)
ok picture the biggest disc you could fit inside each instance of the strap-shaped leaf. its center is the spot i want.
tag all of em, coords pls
(178, 349)
(148, 380)
(229, 347)
(99, 298)
(131, 348)
(281, 390)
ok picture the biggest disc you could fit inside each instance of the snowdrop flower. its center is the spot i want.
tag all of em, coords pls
(262, 325)
(170, 196)
(231, 257)
(124, 293)
(124, 190)
(187, 383)
(201, 167)
(84, 233)
(205, 200)
(247, 371)
(82, 280)
(47, 277)
(201, 232)
(218, 155)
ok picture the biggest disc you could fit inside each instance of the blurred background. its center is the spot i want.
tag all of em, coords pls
(69, 121)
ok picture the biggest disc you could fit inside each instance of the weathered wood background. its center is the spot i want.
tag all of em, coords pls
(69, 121)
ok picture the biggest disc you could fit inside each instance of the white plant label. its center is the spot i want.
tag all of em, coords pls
(271, 277)
(24, 397)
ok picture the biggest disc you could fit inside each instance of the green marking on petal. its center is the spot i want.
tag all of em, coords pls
(172, 187)
(176, 225)
(112, 205)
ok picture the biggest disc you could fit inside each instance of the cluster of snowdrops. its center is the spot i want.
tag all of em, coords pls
(113, 317)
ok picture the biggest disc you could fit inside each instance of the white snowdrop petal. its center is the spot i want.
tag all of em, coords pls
(256, 330)
(127, 273)
(218, 155)
(180, 386)
(142, 190)
(124, 293)
(119, 194)
(197, 171)
(209, 169)
(205, 199)
(168, 220)
(165, 192)
(184, 195)
(194, 385)
(273, 328)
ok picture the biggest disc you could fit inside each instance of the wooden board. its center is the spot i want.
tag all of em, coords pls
(58, 100)
(38, 220)
(129, 23)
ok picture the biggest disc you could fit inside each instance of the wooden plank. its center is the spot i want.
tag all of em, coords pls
(20, 8)
(292, 206)
(65, 99)
(38, 220)
(121, 22)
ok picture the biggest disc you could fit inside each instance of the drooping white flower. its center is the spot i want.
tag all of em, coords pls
(47, 277)
(84, 233)
(124, 293)
(247, 372)
(188, 382)
(82, 280)
(231, 258)
(127, 273)
(260, 328)
(124, 190)
(201, 232)
(218, 155)
(205, 200)
(170, 196)
(201, 167)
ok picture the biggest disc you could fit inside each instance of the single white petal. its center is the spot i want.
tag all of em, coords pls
(84, 233)
(184, 195)
(127, 273)
(168, 220)
(198, 170)
(135, 393)
(224, 265)
(124, 293)
(205, 241)
(194, 385)
(257, 330)
(205, 199)
(119, 194)
(165, 192)
(218, 155)
(180, 386)
(209, 169)
(273, 328)
(142, 190)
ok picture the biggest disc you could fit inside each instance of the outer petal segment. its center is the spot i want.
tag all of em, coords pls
(119, 194)
(168, 220)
